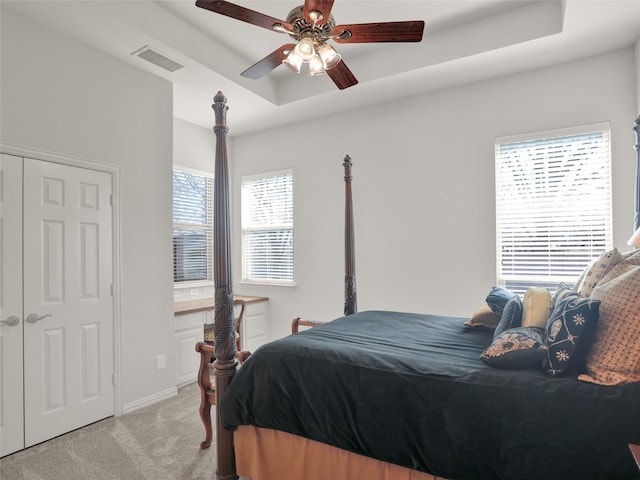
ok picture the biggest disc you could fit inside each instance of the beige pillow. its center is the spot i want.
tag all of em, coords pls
(615, 353)
(536, 307)
(483, 317)
(598, 269)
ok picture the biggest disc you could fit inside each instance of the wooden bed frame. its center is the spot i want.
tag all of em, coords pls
(225, 364)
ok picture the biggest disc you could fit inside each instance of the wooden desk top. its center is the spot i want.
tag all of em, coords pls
(191, 306)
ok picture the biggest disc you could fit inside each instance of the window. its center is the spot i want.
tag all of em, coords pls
(192, 226)
(553, 205)
(267, 228)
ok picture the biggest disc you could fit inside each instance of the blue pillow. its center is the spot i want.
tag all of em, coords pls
(517, 348)
(511, 316)
(569, 334)
(561, 290)
(498, 298)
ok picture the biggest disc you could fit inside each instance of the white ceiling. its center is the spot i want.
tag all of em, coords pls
(464, 41)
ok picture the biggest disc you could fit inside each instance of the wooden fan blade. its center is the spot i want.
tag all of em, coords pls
(241, 13)
(322, 6)
(268, 63)
(342, 76)
(410, 31)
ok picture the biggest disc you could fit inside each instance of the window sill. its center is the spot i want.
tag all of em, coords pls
(267, 284)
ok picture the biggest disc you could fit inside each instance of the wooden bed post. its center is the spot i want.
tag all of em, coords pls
(350, 297)
(225, 364)
(636, 218)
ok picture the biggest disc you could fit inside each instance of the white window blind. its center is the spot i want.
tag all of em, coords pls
(192, 226)
(553, 205)
(267, 227)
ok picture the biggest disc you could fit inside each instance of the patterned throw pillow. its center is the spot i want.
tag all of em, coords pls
(516, 348)
(498, 298)
(598, 269)
(614, 357)
(569, 333)
(483, 317)
(511, 316)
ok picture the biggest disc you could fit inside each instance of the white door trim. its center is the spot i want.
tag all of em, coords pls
(11, 335)
(114, 171)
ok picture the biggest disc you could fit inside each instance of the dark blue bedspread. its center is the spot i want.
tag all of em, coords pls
(411, 390)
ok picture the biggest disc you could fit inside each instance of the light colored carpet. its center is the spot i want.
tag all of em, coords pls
(160, 442)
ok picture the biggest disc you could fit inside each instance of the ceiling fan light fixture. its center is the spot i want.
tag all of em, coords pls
(306, 49)
(316, 67)
(330, 58)
(293, 61)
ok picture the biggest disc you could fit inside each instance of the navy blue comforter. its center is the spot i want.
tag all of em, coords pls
(411, 390)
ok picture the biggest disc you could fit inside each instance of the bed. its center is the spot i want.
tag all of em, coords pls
(403, 396)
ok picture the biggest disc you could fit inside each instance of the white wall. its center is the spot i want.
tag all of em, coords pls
(424, 186)
(194, 146)
(65, 98)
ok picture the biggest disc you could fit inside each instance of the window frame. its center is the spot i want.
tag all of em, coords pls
(246, 229)
(207, 228)
(518, 282)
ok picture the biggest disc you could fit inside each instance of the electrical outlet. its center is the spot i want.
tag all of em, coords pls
(161, 362)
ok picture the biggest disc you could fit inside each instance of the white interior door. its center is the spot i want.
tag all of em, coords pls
(68, 302)
(11, 366)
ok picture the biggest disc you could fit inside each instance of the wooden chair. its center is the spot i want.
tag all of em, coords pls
(207, 387)
(298, 322)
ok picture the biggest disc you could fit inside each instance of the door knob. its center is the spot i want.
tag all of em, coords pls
(12, 321)
(35, 318)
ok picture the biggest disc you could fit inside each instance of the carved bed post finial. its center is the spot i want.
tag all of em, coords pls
(636, 218)
(224, 321)
(350, 298)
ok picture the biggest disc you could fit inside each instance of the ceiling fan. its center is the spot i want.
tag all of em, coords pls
(312, 26)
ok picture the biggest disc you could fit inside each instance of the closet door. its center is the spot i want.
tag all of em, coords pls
(68, 303)
(11, 366)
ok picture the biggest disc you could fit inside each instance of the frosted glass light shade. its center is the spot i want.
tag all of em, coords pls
(315, 66)
(293, 61)
(634, 241)
(306, 50)
(330, 58)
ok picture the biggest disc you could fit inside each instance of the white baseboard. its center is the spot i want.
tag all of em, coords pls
(150, 400)
(187, 381)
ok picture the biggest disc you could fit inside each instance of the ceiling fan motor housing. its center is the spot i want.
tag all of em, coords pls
(320, 32)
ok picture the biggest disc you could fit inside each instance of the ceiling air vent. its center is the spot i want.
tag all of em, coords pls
(150, 55)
